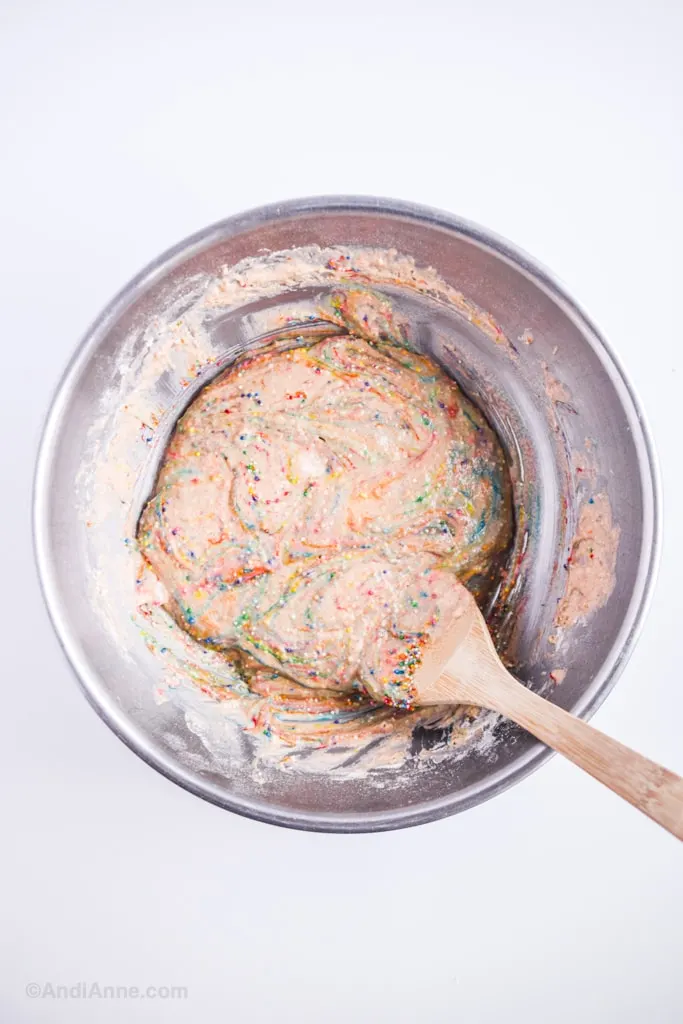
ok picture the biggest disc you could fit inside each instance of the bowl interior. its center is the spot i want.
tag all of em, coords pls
(559, 402)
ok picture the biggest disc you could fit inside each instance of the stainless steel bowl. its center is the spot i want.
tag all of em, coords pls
(117, 675)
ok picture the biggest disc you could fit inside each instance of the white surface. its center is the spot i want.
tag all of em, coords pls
(125, 127)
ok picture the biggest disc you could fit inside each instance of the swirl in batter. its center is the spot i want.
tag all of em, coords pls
(311, 515)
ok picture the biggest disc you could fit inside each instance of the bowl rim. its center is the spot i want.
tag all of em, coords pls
(120, 722)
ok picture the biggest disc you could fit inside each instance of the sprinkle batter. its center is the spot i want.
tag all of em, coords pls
(312, 513)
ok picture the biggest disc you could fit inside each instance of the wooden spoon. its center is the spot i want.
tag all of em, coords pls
(461, 666)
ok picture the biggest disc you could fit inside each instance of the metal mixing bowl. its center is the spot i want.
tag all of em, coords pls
(603, 414)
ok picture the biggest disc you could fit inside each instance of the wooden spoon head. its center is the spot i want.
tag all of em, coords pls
(441, 666)
(449, 634)
(460, 664)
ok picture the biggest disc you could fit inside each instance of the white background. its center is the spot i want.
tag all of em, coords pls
(124, 127)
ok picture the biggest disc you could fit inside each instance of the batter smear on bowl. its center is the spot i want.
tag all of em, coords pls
(311, 514)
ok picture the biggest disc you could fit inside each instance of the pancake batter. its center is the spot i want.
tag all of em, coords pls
(312, 511)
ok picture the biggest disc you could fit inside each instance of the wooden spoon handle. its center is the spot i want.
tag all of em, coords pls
(654, 790)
